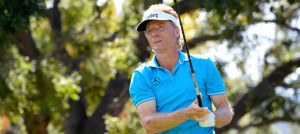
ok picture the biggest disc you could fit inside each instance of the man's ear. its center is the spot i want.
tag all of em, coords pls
(177, 32)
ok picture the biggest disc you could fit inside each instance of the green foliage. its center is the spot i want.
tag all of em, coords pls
(235, 87)
(41, 33)
(127, 122)
(98, 34)
(14, 15)
(230, 16)
(39, 87)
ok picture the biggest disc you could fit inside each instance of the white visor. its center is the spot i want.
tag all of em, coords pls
(156, 16)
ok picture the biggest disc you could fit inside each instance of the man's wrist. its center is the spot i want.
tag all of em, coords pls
(184, 115)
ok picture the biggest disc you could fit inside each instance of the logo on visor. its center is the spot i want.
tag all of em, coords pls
(152, 16)
(155, 81)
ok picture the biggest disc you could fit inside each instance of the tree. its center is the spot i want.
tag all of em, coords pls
(58, 60)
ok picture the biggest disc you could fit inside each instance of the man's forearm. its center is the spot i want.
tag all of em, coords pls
(223, 116)
(158, 122)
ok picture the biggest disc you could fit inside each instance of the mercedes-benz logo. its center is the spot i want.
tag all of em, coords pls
(155, 81)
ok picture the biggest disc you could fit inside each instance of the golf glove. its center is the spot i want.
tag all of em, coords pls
(209, 122)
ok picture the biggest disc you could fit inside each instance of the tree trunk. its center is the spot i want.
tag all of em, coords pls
(36, 124)
(77, 112)
(77, 115)
(26, 44)
(116, 95)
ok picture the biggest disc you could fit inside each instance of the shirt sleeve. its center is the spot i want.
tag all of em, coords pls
(214, 83)
(139, 90)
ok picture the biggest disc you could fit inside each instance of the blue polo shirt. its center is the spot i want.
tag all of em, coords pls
(174, 91)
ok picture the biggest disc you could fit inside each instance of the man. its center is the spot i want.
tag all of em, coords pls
(162, 89)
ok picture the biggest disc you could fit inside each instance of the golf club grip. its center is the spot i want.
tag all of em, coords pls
(199, 100)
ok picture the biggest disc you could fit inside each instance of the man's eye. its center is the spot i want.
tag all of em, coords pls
(149, 31)
(161, 27)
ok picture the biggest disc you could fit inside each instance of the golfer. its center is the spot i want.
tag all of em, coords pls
(162, 89)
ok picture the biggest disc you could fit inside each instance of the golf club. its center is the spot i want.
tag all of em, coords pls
(188, 53)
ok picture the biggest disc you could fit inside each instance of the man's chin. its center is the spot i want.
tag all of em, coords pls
(157, 50)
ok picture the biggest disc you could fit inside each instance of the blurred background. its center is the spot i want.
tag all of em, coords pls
(65, 65)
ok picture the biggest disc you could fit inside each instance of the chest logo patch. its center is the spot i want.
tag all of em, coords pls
(155, 81)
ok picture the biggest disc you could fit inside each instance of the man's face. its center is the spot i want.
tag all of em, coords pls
(162, 35)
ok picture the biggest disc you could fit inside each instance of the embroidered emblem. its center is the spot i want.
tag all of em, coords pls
(155, 81)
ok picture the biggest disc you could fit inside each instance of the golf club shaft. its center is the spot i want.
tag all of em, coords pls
(189, 57)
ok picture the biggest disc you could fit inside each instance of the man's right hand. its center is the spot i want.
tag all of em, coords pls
(196, 113)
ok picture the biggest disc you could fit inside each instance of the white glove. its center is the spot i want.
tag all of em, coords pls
(209, 122)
